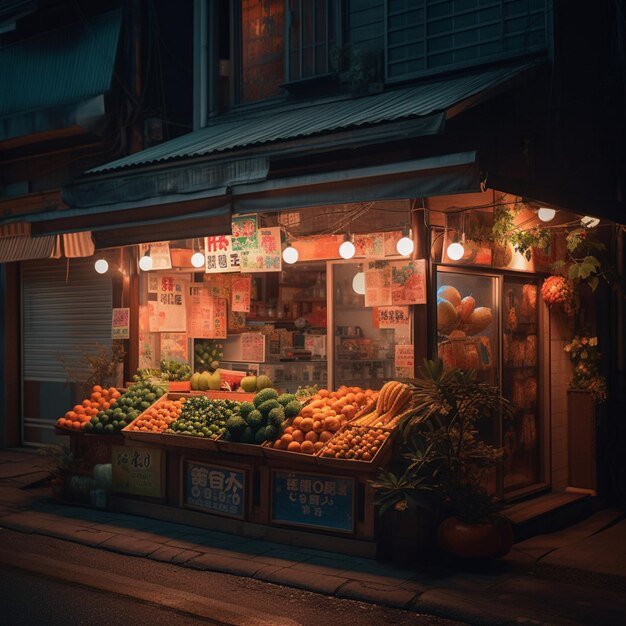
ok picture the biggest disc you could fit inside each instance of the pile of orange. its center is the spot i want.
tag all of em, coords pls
(158, 417)
(101, 399)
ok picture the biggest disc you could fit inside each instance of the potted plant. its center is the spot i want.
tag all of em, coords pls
(446, 464)
(64, 468)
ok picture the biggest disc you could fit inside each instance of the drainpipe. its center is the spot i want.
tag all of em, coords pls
(200, 61)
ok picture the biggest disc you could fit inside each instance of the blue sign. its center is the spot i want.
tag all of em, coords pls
(215, 489)
(313, 500)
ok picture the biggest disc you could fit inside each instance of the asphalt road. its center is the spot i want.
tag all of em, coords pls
(197, 596)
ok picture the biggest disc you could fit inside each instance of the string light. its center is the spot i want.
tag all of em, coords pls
(589, 222)
(358, 283)
(290, 254)
(347, 249)
(455, 251)
(545, 214)
(101, 266)
(405, 245)
(145, 262)
(197, 259)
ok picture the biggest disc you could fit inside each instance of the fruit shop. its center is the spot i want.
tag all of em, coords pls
(264, 366)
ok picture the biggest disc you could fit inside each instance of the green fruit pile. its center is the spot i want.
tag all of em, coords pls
(129, 405)
(206, 381)
(252, 383)
(261, 419)
(204, 418)
(208, 354)
(175, 370)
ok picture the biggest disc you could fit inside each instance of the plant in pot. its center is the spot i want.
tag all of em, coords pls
(451, 464)
(63, 466)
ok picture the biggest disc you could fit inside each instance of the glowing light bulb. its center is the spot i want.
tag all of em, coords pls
(545, 214)
(358, 283)
(145, 263)
(101, 266)
(290, 255)
(347, 250)
(455, 251)
(197, 259)
(589, 222)
(405, 246)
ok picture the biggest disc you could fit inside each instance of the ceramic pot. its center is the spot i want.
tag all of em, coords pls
(475, 540)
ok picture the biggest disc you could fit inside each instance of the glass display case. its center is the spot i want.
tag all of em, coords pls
(363, 351)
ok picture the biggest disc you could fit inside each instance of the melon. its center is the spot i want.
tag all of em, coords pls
(468, 304)
(450, 294)
(480, 318)
(446, 314)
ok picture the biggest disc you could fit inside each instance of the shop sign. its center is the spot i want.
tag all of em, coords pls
(266, 256)
(213, 488)
(252, 347)
(120, 323)
(377, 283)
(160, 255)
(408, 282)
(219, 255)
(405, 361)
(244, 231)
(313, 500)
(172, 304)
(391, 316)
(174, 347)
(138, 471)
(241, 288)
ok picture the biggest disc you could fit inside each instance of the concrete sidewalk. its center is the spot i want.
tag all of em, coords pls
(575, 576)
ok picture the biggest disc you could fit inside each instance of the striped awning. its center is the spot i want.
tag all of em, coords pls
(25, 248)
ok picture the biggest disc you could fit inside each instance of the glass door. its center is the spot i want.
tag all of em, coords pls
(363, 348)
(522, 436)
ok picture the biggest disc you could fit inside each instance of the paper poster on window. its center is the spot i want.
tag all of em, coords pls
(120, 323)
(371, 245)
(408, 282)
(174, 347)
(207, 315)
(318, 248)
(172, 304)
(395, 317)
(377, 283)
(219, 284)
(219, 254)
(391, 239)
(153, 316)
(236, 321)
(153, 282)
(405, 361)
(267, 257)
(244, 230)
(160, 255)
(147, 350)
(253, 347)
(241, 289)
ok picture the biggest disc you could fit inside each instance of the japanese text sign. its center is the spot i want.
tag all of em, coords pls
(138, 471)
(408, 282)
(172, 304)
(160, 255)
(252, 347)
(405, 360)
(267, 256)
(207, 315)
(219, 254)
(240, 294)
(216, 489)
(313, 500)
(120, 323)
(391, 316)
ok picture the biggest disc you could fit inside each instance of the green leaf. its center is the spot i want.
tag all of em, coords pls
(593, 282)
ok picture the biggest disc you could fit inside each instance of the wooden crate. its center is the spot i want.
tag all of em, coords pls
(381, 458)
(285, 455)
(236, 447)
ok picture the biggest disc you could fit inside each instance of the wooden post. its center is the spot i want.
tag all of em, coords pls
(581, 441)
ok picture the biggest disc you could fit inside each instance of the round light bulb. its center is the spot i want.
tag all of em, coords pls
(101, 266)
(358, 283)
(197, 259)
(290, 255)
(347, 250)
(405, 246)
(589, 222)
(545, 214)
(145, 263)
(455, 251)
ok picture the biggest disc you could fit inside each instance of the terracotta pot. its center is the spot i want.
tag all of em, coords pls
(479, 540)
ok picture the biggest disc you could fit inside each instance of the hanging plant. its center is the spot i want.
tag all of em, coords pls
(585, 356)
(505, 231)
(556, 291)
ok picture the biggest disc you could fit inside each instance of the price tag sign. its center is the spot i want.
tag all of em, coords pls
(138, 471)
(120, 323)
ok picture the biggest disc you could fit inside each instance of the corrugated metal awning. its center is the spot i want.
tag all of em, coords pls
(25, 248)
(241, 130)
(58, 79)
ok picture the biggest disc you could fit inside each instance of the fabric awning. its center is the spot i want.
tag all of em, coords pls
(25, 248)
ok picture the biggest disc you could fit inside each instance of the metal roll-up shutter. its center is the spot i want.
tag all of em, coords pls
(66, 313)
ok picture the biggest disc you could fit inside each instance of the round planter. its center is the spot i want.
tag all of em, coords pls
(479, 540)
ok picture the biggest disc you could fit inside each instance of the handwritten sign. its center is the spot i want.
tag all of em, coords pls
(377, 283)
(253, 347)
(213, 488)
(160, 255)
(138, 471)
(244, 230)
(405, 360)
(120, 323)
(313, 500)
(391, 316)
(408, 282)
(219, 255)
(172, 304)
(266, 257)
(240, 294)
